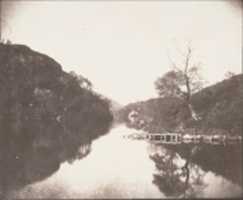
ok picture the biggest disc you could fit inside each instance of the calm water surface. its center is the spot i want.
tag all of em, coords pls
(118, 167)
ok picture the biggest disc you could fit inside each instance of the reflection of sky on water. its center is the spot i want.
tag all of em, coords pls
(116, 168)
(219, 187)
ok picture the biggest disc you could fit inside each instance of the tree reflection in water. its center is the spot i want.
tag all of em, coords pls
(38, 155)
(181, 169)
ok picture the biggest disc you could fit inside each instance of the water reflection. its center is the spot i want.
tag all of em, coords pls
(22, 168)
(115, 168)
(33, 154)
(185, 170)
(121, 168)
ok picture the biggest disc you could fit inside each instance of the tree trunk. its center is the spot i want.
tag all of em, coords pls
(193, 113)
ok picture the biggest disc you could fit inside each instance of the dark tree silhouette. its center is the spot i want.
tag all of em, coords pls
(174, 180)
(46, 118)
(182, 81)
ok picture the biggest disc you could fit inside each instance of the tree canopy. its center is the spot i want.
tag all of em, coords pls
(182, 80)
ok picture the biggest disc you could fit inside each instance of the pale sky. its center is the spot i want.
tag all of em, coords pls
(121, 46)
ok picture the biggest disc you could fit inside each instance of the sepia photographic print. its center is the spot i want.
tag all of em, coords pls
(121, 99)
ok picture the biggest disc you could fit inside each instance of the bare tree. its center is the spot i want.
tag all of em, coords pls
(182, 81)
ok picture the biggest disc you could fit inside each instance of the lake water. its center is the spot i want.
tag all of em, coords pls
(117, 167)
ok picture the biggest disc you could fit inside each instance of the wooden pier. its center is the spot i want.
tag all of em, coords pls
(169, 138)
(177, 138)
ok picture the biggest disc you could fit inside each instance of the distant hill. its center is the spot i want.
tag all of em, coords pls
(154, 115)
(219, 107)
(115, 106)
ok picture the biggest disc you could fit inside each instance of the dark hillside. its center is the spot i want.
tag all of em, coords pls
(219, 107)
(45, 116)
(155, 115)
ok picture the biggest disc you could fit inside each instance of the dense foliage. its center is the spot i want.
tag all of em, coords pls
(219, 108)
(44, 113)
(155, 115)
(174, 83)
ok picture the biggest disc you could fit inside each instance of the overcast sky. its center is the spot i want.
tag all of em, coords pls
(122, 47)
